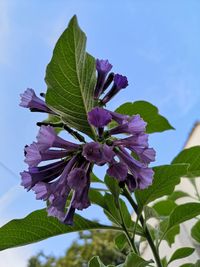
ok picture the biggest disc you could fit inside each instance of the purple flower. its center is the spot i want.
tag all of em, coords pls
(119, 118)
(30, 100)
(80, 198)
(134, 140)
(135, 125)
(42, 190)
(97, 153)
(34, 155)
(130, 161)
(68, 218)
(144, 177)
(99, 117)
(47, 138)
(118, 170)
(131, 182)
(120, 82)
(40, 174)
(77, 178)
(148, 155)
(103, 67)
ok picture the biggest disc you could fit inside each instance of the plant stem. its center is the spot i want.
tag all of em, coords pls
(123, 225)
(146, 230)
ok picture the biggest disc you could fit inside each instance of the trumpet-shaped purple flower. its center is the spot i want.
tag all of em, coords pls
(99, 117)
(41, 174)
(103, 67)
(131, 182)
(148, 155)
(135, 125)
(35, 155)
(30, 100)
(77, 178)
(120, 82)
(118, 170)
(119, 118)
(97, 153)
(47, 138)
(144, 177)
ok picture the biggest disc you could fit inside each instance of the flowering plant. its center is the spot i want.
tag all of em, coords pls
(61, 172)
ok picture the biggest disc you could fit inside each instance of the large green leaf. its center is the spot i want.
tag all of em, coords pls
(164, 207)
(166, 177)
(70, 77)
(191, 156)
(195, 232)
(181, 253)
(155, 122)
(183, 213)
(37, 226)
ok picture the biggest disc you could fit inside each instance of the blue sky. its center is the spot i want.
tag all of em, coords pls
(154, 43)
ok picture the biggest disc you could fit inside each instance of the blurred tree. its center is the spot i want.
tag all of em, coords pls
(89, 244)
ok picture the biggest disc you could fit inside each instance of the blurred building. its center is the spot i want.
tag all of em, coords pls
(184, 238)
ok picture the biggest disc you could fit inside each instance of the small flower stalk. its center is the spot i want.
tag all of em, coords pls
(59, 170)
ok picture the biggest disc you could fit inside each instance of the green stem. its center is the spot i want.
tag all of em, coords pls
(146, 230)
(123, 225)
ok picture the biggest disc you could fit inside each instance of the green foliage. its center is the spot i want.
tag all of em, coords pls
(155, 121)
(166, 177)
(195, 232)
(120, 241)
(183, 213)
(181, 253)
(96, 262)
(164, 207)
(37, 226)
(70, 77)
(78, 255)
(134, 260)
(192, 157)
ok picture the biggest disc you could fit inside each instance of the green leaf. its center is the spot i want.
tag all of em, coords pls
(70, 78)
(166, 177)
(195, 231)
(120, 241)
(96, 262)
(95, 179)
(134, 260)
(155, 122)
(171, 235)
(113, 186)
(164, 262)
(37, 226)
(188, 265)
(164, 207)
(183, 213)
(178, 194)
(149, 213)
(111, 210)
(192, 157)
(181, 253)
(96, 198)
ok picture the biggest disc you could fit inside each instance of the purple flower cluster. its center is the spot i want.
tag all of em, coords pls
(104, 80)
(59, 170)
(127, 158)
(55, 181)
